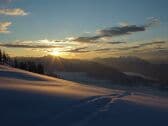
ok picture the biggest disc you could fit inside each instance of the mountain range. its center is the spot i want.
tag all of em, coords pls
(113, 70)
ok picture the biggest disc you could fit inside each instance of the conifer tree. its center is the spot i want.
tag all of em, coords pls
(0, 56)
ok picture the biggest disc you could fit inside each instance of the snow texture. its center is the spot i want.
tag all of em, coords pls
(29, 99)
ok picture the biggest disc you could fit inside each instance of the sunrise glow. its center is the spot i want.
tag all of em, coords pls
(55, 52)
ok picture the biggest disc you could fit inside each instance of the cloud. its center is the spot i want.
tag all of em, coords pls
(118, 31)
(123, 24)
(153, 43)
(129, 48)
(29, 46)
(116, 42)
(152, 21)
(13, 12)
(104, 49)
(121, 30)
(86, 39)
(111, 32)
(78, 50)
(163, 52)
(82, 50)
(4, 27)
(143, 45)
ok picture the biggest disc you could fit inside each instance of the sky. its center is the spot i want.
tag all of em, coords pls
(85, 28)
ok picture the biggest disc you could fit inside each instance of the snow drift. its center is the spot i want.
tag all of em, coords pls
(29, 99)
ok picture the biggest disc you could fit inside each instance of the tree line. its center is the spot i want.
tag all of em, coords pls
(31, 66)
(4, 58)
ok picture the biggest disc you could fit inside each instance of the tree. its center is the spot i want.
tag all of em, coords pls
(4, 58)
(40, 69)
(15, 63)
(7, 59)
(0, 56)
(23, 65)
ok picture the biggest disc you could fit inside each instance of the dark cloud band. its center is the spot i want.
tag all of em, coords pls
(117, 31)
(28, 46)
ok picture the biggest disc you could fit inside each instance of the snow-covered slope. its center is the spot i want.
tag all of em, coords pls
(29, 99)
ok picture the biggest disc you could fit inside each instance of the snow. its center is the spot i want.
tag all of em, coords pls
(138, 75)
(81, 77)
(29, 99)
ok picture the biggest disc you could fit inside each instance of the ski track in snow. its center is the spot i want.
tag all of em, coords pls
(97, 103)
(26, 99)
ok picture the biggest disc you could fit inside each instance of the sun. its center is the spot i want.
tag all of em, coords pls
(55, 53)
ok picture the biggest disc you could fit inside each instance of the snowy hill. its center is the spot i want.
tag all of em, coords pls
(29, 99)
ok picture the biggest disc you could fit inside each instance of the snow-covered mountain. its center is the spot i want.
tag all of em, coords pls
(29, 99)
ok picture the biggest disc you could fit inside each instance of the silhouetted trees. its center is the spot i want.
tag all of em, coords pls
(25, 65)
(29, 66)
(4, 58)
(40, 68)
(0, 56)
(15, 63)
